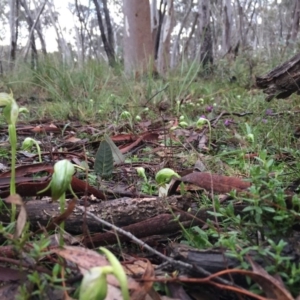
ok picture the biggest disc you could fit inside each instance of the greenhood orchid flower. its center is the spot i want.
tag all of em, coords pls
(61, 179)
(94, 283)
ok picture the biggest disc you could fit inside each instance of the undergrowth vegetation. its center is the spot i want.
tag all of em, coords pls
(247, 137)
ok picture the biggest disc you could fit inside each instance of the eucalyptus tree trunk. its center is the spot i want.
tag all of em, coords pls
(295, 21)
(33, 25)
(138, 42)
(163, 58)
(205, 33)
(13, 25)
(106, 39)
(240, 22)
(155, 21)
(83, 35)
(109, 29)
(186, 52)
(79, 35)
(175, 45)
(227, 23)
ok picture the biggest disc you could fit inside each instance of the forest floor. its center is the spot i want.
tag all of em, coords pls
(190, 181)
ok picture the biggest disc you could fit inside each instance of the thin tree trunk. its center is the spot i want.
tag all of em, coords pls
(79, 36)
(110, 34)
(13, 25)
(176, 42)
(33, 26)
(163, 61)
(227, 21)
(296, 18)
(39, 29)
(161, 16)
(109, 50)
(193, 28)
(206, 48)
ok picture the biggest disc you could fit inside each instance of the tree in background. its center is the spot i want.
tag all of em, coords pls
(107, 39)
(137, 39)
(13, 25)
(205, 33)
(164, 40)
(161, 32)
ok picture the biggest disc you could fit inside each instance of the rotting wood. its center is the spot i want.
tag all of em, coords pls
(121, 212)
(282, 81)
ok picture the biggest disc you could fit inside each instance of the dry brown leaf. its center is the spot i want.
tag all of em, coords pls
(22, 217)
(271, 286)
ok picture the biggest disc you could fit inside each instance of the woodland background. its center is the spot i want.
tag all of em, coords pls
(140, 33)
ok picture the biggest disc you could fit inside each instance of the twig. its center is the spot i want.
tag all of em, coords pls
(171, 261)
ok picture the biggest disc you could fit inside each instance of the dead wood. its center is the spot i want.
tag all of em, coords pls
(120, 212)
(282, 81)
(142, 217)
(216, 260)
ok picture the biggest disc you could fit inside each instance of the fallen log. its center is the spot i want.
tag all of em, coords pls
(282, 81)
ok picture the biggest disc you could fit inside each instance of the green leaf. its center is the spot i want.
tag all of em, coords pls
(269, 209)
(119, 158)
(215, 214)
(104, 160)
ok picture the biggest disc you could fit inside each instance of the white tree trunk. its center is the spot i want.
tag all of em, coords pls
(163, 59)
(175, 45)
(12, 26)
(206, 43)
(138, 42)
(227, 23)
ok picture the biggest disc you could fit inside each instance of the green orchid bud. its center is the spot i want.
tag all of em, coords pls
(250, 137)
(183, 124)
(23, 110)
(138, 118)
(94, 284)
(125, 115)
(146, 109)
(165, 175)
(141, 172)
(6, 99)
(181, 118)
(27, 144)
(11, 112)
(201, 122)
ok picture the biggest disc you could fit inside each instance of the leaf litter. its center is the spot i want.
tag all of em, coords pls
(114, 188)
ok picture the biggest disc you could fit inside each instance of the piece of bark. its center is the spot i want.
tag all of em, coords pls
(282, 81)
(160, 224)
(213, 183)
